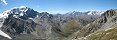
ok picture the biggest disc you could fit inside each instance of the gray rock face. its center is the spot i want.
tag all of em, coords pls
(15, 26)
(18, 25)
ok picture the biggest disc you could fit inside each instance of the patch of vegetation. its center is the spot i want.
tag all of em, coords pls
(71, 26)
(105, 35)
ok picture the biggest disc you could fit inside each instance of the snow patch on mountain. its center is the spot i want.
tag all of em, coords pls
(21, 14)
(4, 14)
(4, 34)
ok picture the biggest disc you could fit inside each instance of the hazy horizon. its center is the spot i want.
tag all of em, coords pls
(60, 6)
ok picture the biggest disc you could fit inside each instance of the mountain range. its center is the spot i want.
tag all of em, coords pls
(24, 23)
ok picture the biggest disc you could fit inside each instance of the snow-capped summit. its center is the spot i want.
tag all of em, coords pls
(5, 14)
(14, 10)
(95, 12)
(22, 12)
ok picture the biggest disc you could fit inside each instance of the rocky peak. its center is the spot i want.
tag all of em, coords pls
(18, 21)
(110, 13)
(21, 12)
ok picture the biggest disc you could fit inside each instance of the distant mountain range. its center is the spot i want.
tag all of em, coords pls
(24, 23)
(74, 13)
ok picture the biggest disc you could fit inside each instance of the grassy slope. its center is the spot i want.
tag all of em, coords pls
(110, 34)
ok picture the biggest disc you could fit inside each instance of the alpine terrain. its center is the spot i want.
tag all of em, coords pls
(24, 23)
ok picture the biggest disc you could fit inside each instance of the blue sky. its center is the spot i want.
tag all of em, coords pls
(54, 6)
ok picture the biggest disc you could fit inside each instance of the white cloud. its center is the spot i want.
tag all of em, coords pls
(4, 2)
